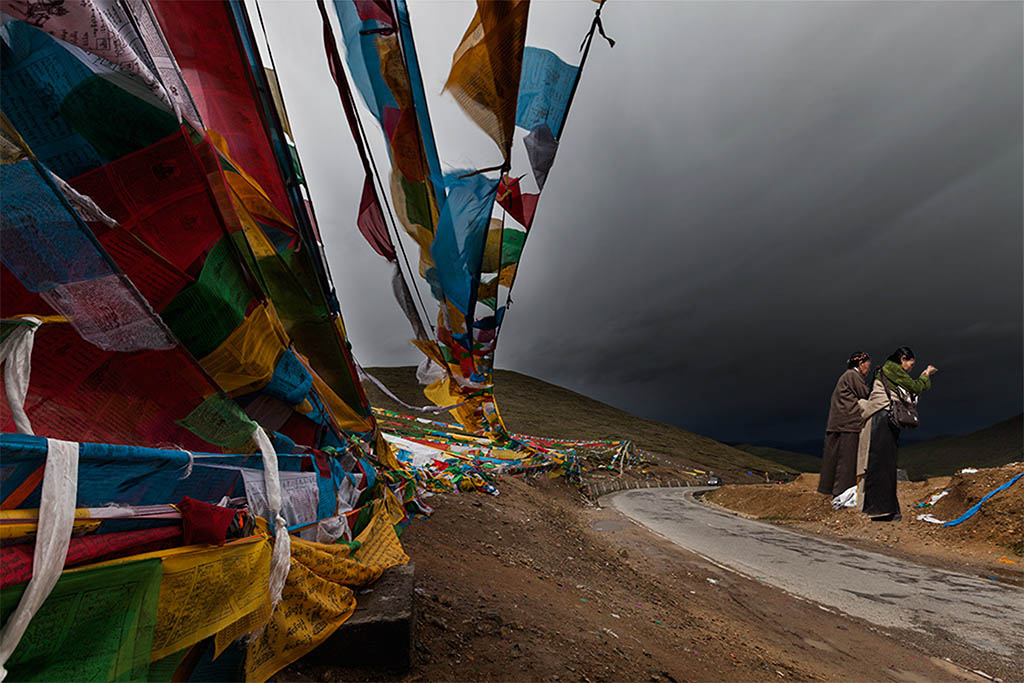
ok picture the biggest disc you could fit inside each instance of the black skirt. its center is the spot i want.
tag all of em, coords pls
(839, 463)
(880, 477)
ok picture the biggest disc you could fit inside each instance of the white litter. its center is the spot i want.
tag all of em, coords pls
(846, 499)
(934, 499)
(930, 518)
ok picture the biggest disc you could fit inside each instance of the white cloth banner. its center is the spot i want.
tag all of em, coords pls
(281, 557)
(53, 537)
(16, 357)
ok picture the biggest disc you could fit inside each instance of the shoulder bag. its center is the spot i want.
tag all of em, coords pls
(902, 411)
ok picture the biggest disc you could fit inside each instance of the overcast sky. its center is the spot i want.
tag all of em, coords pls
(744, 194)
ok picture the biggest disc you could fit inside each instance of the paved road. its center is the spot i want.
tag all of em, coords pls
(883, 590)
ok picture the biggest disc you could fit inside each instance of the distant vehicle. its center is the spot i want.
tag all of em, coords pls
(714, 481)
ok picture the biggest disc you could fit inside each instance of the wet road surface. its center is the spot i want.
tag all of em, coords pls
(883, 590)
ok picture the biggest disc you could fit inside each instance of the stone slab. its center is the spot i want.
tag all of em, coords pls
(380, 632)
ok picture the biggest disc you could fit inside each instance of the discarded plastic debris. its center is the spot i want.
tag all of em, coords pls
(710, 580)
(846, 499)
(977, 506)
(933, 500)
(930, 518)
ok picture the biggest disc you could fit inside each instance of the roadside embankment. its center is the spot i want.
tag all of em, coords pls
(989, 543)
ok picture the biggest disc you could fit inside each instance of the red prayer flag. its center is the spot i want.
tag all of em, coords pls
(371, 223)
(520, 206)
(16, 560)
(203, 522)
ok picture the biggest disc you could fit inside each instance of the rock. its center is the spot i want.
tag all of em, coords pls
(380, 632)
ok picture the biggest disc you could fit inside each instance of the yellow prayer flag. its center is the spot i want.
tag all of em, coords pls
(484, 79)
(207, 589)
(245, 360)
(317, 598)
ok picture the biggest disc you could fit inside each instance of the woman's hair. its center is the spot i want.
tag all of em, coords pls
(901, 353)
(856, 358)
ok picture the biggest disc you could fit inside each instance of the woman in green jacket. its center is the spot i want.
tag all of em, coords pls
(880, 501)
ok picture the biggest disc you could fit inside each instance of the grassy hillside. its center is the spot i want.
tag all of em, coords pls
(797, 461)
(990, 447)
(532, 406)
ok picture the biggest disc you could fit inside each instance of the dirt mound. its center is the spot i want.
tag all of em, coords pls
(798, 499)
(999, 521)
(990, 542)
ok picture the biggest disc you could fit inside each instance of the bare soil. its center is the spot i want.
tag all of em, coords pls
(989, 543)
(536, 585)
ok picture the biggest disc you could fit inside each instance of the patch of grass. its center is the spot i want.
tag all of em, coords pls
(532, 406)
(798, 461)
(993, 446)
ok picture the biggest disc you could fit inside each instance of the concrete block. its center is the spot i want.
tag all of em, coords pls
(380, 632)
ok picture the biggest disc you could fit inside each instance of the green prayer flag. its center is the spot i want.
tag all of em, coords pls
(96, 625)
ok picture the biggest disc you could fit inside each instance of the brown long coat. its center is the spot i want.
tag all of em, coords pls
(844, 413)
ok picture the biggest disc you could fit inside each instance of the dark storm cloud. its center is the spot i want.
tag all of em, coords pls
(847, 177)
(747, 192)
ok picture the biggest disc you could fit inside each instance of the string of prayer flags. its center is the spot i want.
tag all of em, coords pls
(544, 89)
(486, 66)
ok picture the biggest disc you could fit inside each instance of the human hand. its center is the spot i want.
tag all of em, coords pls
(930, 370)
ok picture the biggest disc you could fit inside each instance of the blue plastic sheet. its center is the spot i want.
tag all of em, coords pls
(977, 506)
(545, 85)
(460, 238)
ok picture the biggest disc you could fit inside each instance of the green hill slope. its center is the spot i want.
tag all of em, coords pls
(798, 461)
(990, 447)
(532, 406)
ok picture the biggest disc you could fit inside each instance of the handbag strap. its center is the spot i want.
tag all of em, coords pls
(888, 394)
(885, 384)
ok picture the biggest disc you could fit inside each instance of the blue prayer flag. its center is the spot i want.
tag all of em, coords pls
(544, 88)
(458, 245)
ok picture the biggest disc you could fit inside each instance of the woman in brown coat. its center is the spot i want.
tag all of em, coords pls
(842, 433)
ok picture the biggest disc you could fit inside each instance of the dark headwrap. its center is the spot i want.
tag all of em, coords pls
(856, 358)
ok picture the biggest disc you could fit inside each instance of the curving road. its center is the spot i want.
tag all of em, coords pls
(883, 590)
